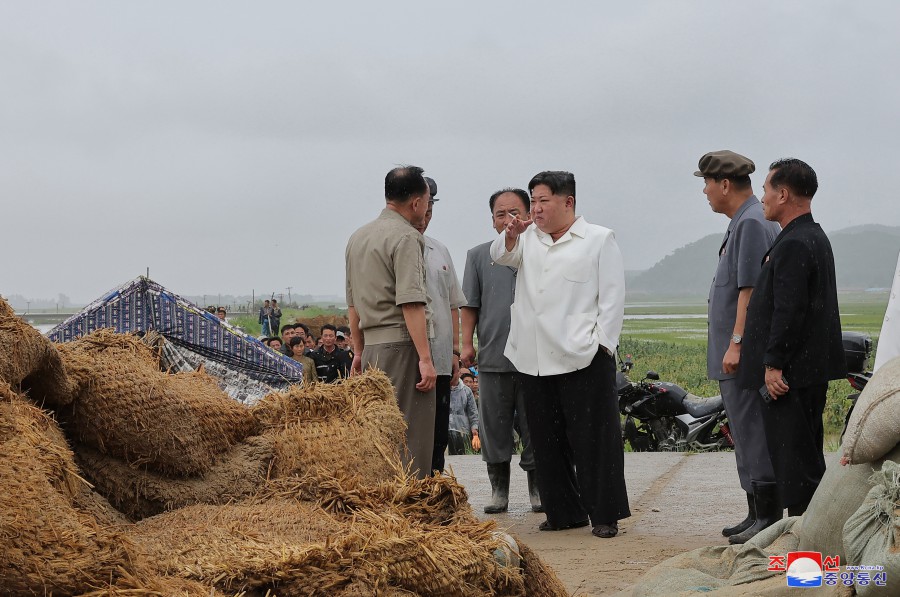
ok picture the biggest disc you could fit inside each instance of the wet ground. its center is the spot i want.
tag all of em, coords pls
(678, 502)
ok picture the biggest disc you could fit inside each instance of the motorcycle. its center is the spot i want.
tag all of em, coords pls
(857, 350)
(662, 416)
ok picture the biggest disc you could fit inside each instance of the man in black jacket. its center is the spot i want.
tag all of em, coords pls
(792, 339)
(332, 363)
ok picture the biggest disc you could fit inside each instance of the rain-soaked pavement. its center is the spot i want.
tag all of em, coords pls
(679, 501)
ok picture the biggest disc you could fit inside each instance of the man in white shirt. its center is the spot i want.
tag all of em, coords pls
(446, 297)
(566, 321)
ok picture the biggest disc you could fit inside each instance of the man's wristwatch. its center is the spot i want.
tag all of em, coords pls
(737, 338)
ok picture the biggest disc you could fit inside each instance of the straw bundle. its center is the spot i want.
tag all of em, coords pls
(539, 577)
(237, 546)
(315, 323)
(125, 406)
(351, 428)
(140, 493)
(433, 500)
(29, 362)
(295, 548)
(48, 545)
(149, 584)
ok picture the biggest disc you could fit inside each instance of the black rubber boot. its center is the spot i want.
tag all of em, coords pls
(533, 495)
(747, 522)
(499, 476)
(799, 509)
(768, 512)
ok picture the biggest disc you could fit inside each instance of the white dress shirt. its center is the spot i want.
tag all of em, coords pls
(570, 297)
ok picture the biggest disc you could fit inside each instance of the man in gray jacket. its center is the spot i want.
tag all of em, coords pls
(490, 289)
(727, 186)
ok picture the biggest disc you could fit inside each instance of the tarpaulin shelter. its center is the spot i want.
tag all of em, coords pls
(246, 367)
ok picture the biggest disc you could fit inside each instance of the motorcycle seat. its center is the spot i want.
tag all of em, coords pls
(700, 407)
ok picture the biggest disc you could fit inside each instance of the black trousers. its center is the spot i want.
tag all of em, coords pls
(459, 442)
(577, 439)
(441, 421)
(795, 438)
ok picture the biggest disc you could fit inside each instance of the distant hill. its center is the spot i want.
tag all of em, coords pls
(865, 257)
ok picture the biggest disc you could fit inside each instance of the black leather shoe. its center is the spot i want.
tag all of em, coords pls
(545, 526)
(606, 531)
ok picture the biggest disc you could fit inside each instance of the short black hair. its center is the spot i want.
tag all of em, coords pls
(559, 182)
(328, 326)
(796, 175)
(272, 339)
(222, 309)
(304, 326)
(403, 183)
(740, 183)
(520, 193)
(287, 326)
(295, 341)
(343, 328)
(466, 374)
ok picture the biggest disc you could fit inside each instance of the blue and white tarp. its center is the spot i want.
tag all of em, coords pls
(143, 305)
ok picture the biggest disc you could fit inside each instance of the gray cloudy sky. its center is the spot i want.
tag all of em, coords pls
(235, 146)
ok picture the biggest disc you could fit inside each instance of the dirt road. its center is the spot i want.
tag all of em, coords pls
(678, 502)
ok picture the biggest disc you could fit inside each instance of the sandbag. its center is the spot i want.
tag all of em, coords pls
(871, 533)
(874, 426)
(725, 568)
(840, 493)
(123, 405)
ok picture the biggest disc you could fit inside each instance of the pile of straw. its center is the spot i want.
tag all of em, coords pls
(303, 494)
(295, 548)
(123, 405)
(48, 545)
(29, 362)
(139, 493)
(350, 428)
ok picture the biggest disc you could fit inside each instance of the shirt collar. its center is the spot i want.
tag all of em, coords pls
(578, 228)
(744, 207)
(390, 214)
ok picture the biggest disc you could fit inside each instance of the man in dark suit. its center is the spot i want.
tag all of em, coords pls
(792, 339)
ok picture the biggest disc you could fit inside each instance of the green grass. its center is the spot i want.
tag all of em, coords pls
(250, 323)
(675, 347)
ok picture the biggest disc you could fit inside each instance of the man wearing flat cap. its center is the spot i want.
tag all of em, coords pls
(727, 186)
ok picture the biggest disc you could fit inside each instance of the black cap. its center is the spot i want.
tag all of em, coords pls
(432, 188)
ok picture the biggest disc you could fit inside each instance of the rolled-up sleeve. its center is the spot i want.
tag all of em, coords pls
(500, 255)
(409, 270)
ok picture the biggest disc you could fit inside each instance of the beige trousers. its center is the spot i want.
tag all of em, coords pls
(400, 361)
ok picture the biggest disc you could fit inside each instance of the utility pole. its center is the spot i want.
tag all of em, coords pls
(289, 294)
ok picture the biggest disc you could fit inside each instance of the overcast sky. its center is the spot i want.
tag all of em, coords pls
(232, 147)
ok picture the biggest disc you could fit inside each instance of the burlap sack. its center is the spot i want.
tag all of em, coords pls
(874, 426)
(871, 533)
(840, 493)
